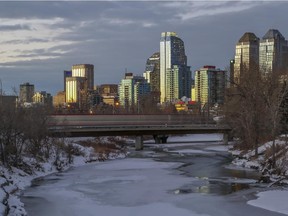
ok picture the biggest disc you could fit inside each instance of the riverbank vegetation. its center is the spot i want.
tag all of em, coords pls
(257, 111)
(27, 151)
(24, 134)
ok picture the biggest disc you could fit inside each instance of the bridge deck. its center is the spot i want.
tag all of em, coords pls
(124, 130)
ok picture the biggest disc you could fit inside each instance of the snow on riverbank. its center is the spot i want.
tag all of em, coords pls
(271, 199)
(274, 200)
(14, 180)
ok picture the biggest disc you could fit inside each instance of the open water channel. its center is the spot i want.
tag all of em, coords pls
(179, 179)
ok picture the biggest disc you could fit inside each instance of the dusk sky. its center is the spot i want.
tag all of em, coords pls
(39, 40)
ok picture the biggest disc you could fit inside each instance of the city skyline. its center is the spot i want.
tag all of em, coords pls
(42, 39)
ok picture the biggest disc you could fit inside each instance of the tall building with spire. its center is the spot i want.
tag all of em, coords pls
(246, 55)
(273, 52)
(175, 75)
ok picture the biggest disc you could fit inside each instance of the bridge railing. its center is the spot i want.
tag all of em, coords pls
(110, 120)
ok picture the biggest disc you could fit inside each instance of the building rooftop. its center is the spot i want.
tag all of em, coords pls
(248, 37)
(273, 34)
(156, 55)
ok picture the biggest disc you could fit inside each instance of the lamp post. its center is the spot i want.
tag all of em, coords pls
(116, 104)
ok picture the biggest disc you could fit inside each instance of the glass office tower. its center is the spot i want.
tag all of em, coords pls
(273, 52)
(246, 55)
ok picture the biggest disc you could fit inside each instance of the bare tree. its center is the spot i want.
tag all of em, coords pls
(274, 94)
(22, 132)
(245, 109)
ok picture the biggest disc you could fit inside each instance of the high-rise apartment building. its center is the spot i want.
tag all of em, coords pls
(26, 93)
(131, 88)
(246, 55)
(273, 52)
(210, 86)
(175, 75)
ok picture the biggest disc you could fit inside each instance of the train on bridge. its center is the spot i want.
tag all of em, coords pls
(117, 120)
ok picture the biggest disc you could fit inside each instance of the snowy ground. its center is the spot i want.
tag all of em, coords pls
(273, 199)
(14, 181)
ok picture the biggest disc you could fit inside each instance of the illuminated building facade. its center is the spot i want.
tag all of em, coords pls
(59, 99)
(175, 75)
(210, 86)
(66, 74)
(74, 90)
(246, 55)
(42, 98)
(131, 88)
(86, 71)
(79, 85)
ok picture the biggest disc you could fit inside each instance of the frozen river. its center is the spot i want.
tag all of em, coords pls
(177, 179)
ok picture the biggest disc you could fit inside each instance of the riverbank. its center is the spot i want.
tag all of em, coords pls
(14, 180)
(177, 178)
(275, 196)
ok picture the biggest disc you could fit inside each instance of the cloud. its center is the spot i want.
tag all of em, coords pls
(193, 10)
(127, 22)
(31, 35)
(14, 27)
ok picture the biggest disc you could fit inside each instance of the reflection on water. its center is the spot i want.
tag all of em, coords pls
(211, 173)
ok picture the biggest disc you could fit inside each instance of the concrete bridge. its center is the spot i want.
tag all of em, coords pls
(159, 126)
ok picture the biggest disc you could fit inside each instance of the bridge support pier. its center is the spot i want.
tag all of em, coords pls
(139, 143)
(160, 138)
(225, 138)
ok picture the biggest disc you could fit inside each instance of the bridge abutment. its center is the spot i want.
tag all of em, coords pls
(139, 143)
(225, 138)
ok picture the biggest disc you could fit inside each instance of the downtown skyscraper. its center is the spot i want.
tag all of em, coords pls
(246, 55)
(152, 75)
(273, 52)
(175, 75)
(78, 85)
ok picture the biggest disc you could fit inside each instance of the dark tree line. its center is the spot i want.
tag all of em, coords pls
(257, 108)
(23, 132)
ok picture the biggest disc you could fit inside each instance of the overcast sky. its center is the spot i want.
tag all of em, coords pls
(39, 40)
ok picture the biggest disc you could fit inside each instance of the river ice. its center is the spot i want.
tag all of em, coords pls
(141, 187)
(120, 187)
